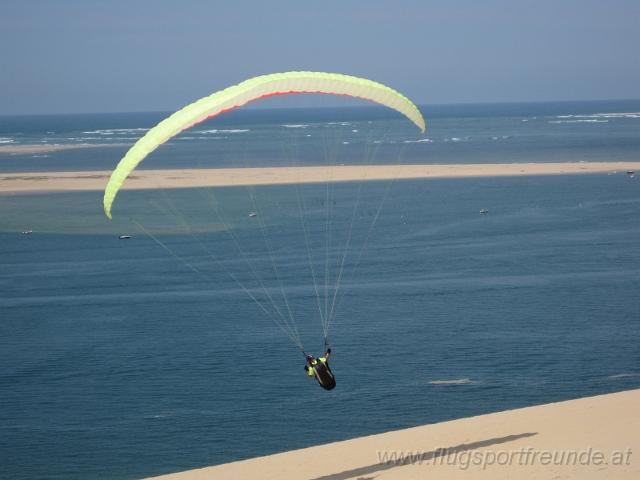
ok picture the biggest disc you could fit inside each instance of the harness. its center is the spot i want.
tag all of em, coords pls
(321, 370)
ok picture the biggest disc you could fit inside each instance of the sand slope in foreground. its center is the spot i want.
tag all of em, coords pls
(588, 432)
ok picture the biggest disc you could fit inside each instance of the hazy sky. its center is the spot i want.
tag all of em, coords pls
(150, 55)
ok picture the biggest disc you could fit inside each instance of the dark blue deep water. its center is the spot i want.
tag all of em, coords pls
(123, 359)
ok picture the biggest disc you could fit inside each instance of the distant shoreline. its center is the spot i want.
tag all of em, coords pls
(337, 106)
(54, 147)
(226, 177)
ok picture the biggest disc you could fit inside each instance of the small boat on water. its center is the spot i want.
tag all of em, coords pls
(124, 237)
(27, 232)
(483, 211)
(631, 173)
(253, 214)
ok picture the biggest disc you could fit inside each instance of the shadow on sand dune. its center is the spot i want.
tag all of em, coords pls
(424, 457)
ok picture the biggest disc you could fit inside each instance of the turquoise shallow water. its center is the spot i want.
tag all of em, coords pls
(119, 361)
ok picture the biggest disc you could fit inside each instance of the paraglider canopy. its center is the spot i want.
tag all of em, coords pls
(247, 91)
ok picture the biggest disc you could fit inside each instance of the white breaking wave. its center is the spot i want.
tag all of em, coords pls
(102, 139)
(591, 120)
(623, 375)
(457, 381)
(422, 140)
(604, 115)
(112, 131)
(201, 138)
(457, 139)
(232, 130)
(296, 125)
(6, 140)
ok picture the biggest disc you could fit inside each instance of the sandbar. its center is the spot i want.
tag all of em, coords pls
(53, 147)
(224, 177)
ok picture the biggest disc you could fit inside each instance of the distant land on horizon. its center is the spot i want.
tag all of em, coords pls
(432, 109)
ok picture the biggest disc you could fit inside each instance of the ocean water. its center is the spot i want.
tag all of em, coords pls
(501, 133)
(123, 359)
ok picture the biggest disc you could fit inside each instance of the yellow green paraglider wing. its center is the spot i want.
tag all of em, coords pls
(247, 91)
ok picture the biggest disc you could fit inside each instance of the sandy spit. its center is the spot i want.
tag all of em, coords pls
(218, 177)
(54, 147)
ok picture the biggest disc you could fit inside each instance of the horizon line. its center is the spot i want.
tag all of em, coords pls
(327, 107)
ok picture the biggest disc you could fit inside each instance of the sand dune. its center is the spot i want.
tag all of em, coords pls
(148, 179)
(590, 438)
